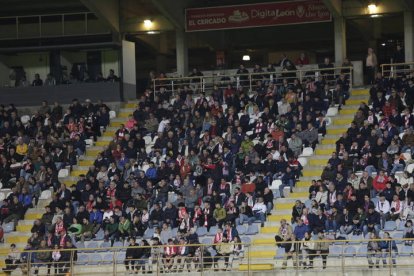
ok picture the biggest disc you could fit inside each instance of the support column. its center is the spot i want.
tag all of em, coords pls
(409, 36)
(182, 52)
(340, 39)
(128, 77)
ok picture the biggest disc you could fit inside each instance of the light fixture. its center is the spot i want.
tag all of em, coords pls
(246, 57)
(153, 32)
(372, 8)
(383, 44)
(375, 15)
(148, 23)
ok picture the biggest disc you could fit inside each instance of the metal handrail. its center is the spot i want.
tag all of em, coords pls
(171, 84)
(247, 259)
(392, 69)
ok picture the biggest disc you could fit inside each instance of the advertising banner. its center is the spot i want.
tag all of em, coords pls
(256, 15)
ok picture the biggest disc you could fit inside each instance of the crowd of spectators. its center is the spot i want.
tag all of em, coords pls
(366, 189)
(76, 76)
(32, 151)
(178, 164)
(183, 165)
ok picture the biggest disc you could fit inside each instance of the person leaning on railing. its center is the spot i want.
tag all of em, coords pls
(320, 248)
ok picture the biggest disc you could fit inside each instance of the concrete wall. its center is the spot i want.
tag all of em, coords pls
(110, 60)
(32, 96)
(33, 63)
(4, 72)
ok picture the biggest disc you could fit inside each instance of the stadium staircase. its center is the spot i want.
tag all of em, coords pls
(263, 250)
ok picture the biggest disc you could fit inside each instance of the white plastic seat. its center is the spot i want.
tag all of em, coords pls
(2, 196)
(63, 173)
(147, 140)
(307, 152)
(410, 168)
(303, 161)
(407, 156)
(46, 194)
(89, 143)
(401, 135)
(112, 114)
(275, 184)
(328, 121)
(25, 119)
(332, 111)
(250, 132)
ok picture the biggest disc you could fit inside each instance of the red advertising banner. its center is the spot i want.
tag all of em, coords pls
(256, 15)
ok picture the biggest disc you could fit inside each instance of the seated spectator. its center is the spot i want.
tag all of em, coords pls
(37, 81)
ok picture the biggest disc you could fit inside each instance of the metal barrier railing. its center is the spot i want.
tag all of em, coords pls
(206, 84)
(338, 255)
(397, 69)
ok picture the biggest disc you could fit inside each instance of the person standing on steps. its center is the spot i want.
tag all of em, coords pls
(371, 64)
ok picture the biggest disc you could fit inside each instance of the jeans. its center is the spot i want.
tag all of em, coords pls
(386, 256)
(260, 216)
(243, 218)
(367, 229)
(330, 225)
(284, 184)
(370, 169)
(346, 229)
(397, 168)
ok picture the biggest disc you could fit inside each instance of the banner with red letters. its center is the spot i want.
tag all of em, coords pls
(256, 15)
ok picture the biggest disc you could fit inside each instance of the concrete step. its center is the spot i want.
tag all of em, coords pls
(351, 106)
(102, 143)
(358, 92)
(314, 173)
(86, 163)
(130, 105)
(348, 111)
(343, 121)
(355, 101)
(327, 151)
(328, 141)
(318, 162)
(336, 130)
(327, 146)
(125, 110)
(256, 267)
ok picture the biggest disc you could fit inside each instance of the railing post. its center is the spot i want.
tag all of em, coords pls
(201, 262)
(390, 259)
(154, 87)
(114, 258)
(203, 85)
(351, 79)
(29, 264)
(343, 258)
(172, 88)
(158, 261)
(248, 259)
(71, 266)
(250, 83)
(237, 82)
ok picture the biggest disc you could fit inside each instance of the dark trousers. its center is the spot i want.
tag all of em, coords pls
(316, 253)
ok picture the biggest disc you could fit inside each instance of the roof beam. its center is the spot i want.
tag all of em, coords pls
(108, 11)
(173, 11)
(335, 6)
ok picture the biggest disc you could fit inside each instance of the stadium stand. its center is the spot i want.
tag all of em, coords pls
(233, 166)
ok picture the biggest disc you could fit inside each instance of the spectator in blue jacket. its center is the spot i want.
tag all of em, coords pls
(300, 229)
(151, 172)
(25, 199)
(95, 217)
